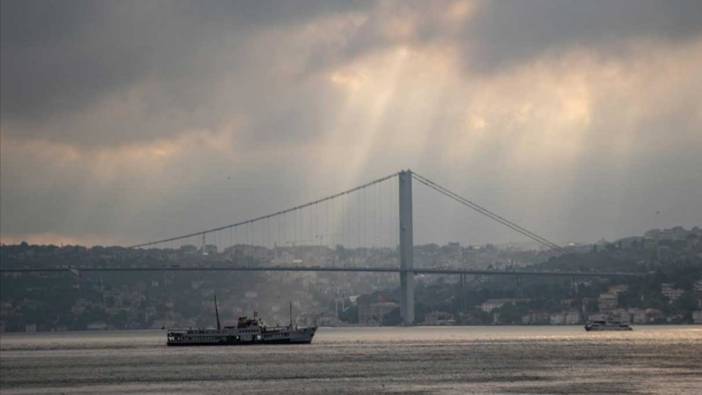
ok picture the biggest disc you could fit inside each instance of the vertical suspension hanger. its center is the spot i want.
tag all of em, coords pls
(364, 210)
(315, 232)
(359, 218)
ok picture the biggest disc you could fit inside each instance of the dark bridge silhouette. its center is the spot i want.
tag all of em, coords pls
(406, 268)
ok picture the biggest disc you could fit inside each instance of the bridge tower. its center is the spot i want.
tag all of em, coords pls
(406, 249)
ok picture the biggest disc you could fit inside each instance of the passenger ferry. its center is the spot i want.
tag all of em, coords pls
(247, 331)
(602, 325)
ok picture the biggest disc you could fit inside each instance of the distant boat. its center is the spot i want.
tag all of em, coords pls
(247, 331)
(602, 325)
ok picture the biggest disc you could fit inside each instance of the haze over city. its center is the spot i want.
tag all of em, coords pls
(128, 121)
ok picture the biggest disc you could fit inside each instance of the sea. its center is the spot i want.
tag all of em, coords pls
(450, 360)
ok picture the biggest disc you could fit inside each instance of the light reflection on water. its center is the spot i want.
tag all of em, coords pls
(501, 359)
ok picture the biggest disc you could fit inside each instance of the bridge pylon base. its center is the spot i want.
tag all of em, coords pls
(407, 298)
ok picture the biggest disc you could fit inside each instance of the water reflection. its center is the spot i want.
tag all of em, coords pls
(654, 359)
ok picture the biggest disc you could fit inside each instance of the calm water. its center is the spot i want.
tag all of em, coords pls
(657, 359)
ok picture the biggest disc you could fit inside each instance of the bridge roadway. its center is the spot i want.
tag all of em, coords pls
(174, 268)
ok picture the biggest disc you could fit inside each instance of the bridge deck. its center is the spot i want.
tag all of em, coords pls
(323, 269)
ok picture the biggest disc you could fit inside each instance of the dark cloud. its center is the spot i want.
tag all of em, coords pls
(59, 58)
(503, 33)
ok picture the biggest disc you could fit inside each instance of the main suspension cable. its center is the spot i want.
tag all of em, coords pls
(484, 211)
(277, 213)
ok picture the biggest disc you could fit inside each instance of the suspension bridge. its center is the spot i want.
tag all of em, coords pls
(378, 215)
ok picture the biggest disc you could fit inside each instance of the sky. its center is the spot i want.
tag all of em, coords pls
(126, 121)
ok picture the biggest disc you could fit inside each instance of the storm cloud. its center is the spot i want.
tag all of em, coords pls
(510, 32)
(125, 121)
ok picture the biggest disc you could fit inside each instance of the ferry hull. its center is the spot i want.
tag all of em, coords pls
(233, 338)
(272, 342)
(596, 329)
(597, 326)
